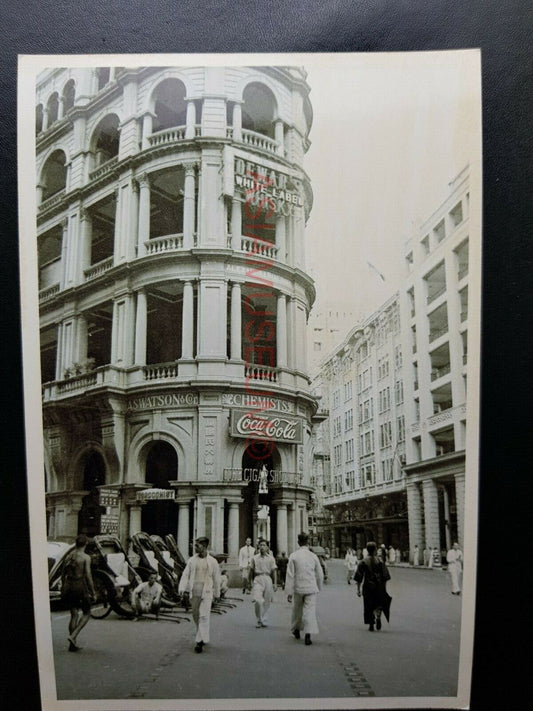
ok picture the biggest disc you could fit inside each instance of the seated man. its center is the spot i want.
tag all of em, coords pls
(147, 597)
(223, 583)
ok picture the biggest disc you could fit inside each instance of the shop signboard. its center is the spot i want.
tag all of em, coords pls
(266, 426)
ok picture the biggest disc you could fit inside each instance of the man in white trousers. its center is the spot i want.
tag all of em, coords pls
(201, 581)
(303, 582)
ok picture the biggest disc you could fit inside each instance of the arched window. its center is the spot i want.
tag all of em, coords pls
(106, 140)
(103, 74)
(170, 107)
(259, 108)
(54, 175)
(38, 119)
(69, 94)
(52, 106)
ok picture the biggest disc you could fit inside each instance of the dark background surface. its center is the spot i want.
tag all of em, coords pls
(503, 31)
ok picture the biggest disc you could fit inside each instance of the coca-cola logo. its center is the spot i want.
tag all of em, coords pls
(272, 428)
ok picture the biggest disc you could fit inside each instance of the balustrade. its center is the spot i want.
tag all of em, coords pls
(440, 372)
(255, 246)
(99, 268)
(257, 140)
(48, 293)
(52, 201)
(168, 135)
(160, 371)
(80, 382)
(167, 243)
(433, 335)
(439, 292)
(104, 169)
(261, 372)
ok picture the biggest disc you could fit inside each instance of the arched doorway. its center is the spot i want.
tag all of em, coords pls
(90, 513)
(258, 517)
(160, 517)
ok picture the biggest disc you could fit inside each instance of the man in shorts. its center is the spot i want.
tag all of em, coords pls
(77, 590)
(147, 597)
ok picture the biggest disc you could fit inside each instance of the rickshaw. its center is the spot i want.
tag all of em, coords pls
(113, 577)
(151, 560)
(176, 562)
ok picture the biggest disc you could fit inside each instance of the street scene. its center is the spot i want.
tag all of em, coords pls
(417, 654)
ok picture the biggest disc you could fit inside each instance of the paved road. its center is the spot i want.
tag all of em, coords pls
(416, 655)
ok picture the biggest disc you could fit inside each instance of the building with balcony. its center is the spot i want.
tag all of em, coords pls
(360, 448)
(435, 318)
(173, 298)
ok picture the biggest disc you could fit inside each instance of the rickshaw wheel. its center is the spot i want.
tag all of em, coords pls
(104, 595)
(123, 607)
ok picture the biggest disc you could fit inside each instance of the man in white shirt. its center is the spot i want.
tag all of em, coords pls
(147, 596)
(201, 581)
(454, 558)
(246, 554)
(304, 580)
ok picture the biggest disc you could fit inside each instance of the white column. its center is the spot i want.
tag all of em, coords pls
(141, 320)
(237, 121)
(431, 514)
(291, 334)
(281, 332)
(233, 531)
(64, 254)
(236, 223)
(187, 322)
(144, 214)
(414, 514)
(460, 507)
(135, 520)
(59, 352)
(112, 72)
(188, 206)
(278, 135)
(86, 243)
(45, 118)
(236, 322)
(447, 522)
(281, 239)
(282, 529)
(183, 528)
(190, 121)
(81, 343)
(60, 107)
(133, 230)
(146, 130)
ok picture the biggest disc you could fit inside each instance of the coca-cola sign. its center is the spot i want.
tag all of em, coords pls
(270, 427)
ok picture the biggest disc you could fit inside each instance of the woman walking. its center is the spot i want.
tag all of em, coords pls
(350, 561)
(372, 573)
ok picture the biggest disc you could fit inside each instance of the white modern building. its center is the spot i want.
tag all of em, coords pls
(172, 203)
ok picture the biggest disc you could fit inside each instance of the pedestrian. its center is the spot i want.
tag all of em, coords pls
(147, 597)
(454, 558)
(426, 557)
(416, 556)
(430, 557)
(373, 575)
(77, 590)
(392, 555)
(201, 581)
(304, 580)
(223, 583)
(281, 562)
(350, 562)
(398, 555)
(246, 554)
(262, 567)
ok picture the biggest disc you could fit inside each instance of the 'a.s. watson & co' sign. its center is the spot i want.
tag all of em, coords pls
(264, 425)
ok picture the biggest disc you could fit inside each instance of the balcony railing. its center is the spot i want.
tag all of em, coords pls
(80, 382)
(167, 243)
(273, 476)
(439, 292)
(433, 335)
(160, 371)
(104, 169)
(257, 140)
(101, 376)
(99, 268)
(255, 246)
(261, 372)
(171, 135)
(52, 201)
(440, 372)
(48, 293)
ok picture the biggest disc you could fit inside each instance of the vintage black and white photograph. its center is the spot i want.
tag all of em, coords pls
(251, 290)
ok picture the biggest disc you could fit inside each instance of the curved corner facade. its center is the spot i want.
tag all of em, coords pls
(173, 297)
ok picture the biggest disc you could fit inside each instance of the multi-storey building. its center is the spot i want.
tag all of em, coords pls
(327, 328)
(400, 477)
(362, 383)
(435, 318)
(173, 298)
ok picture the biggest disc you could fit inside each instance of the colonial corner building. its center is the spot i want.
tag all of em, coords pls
(173, 300)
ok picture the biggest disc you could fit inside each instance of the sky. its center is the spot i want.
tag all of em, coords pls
(389, 133)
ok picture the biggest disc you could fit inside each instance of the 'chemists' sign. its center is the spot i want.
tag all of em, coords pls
(267, 426)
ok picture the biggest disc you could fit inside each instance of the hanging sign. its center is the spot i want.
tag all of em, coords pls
(273, 427)
(156, 495)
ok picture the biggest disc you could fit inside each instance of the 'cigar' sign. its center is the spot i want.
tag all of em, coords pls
(261, 425)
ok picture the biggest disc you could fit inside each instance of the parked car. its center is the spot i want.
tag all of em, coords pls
(322, 557)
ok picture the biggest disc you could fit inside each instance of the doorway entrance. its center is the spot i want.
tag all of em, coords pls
(89, 516)
(160, 517)
(258, 516)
